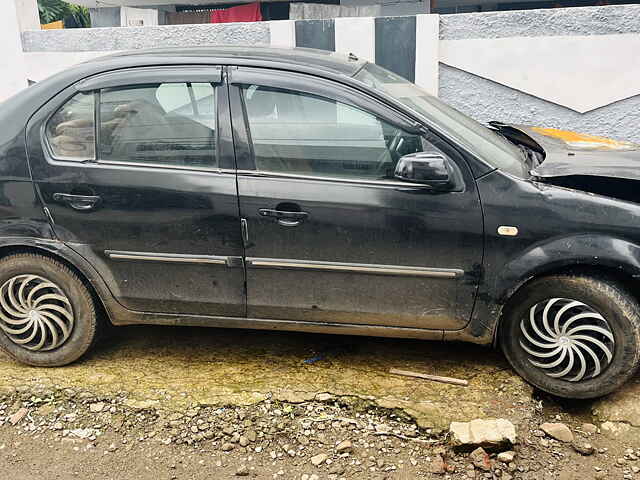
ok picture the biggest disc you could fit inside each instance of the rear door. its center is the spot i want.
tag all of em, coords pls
(331, 235)
(149, 196)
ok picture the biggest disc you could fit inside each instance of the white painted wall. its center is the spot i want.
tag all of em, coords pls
(40, 65)
(283, 33)
(138, 17)
(582, 73)
(356, 35)
(12, 66)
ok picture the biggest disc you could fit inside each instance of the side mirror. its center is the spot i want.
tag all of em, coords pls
(431, 169)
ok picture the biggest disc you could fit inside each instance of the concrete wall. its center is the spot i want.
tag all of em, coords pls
(573, 68)
(585, 56)
(135, 38)
(12, 63)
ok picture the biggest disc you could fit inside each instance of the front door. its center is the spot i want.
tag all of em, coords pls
(331, 235)
(149, 196)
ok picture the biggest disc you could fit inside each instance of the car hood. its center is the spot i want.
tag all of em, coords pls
(569, 153)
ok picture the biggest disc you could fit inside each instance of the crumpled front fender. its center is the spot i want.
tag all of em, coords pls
(584, 250)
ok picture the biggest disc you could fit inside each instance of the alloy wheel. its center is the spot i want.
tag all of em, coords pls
(567, 339)
(35, 313)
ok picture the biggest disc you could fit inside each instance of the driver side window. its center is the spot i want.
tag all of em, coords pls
(305, 134)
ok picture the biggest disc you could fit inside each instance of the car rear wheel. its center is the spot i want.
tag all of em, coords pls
(47, 314)
(572, 336)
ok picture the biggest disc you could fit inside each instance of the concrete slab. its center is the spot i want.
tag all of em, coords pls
(178, 367)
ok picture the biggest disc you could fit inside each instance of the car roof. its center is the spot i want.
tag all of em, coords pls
(290, 58)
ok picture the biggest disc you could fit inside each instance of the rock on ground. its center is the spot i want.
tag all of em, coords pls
(620, 431)
(495, 434)
(559, 431)
(344, 446)
(480, 459)
(319, 459)
(506, 457)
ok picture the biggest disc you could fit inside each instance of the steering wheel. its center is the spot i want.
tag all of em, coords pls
(390, 151)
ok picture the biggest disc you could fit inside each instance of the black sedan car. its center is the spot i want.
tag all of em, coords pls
(303, 190)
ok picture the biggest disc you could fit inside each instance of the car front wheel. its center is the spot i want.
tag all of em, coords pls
(572, 336)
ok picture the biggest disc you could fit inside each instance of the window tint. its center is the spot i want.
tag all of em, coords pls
(70, 131)
(172, 124)
(300, 133)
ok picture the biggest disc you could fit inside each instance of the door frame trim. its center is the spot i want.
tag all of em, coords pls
(358, 181)
(169, 257)
(376, 269)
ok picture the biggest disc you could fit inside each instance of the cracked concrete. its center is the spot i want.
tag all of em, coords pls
(621, 406)
(174, 368)
(620, 413)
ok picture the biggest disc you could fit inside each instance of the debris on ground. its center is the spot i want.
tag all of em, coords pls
(194, 404)
(433, 378)
(312, 440)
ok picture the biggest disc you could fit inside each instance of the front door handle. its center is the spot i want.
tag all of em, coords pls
(78, 202)
(284, 217)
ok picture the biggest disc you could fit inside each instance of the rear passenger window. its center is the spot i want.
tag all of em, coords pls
(70, 131)
(169, 124)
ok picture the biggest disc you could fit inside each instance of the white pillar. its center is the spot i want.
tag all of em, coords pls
(28, 16)
(13, 77)
(427, 52)
(282, 33)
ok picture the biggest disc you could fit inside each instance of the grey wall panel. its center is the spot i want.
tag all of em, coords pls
(105, 17)
(405, 7)
(611, 19)
(485, 100)
(396, 45)
(135, 38)
(316, 34)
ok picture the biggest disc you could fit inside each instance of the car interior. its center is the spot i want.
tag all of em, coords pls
(305, 134)
(136, 126)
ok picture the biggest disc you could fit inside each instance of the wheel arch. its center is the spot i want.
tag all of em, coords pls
(57, 251)
(613, 259)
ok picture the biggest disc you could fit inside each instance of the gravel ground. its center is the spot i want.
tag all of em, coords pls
(181, 403)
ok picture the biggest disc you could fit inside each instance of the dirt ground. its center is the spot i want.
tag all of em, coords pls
(191, 403)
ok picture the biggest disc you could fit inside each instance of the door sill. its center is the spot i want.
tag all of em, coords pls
(285, 325)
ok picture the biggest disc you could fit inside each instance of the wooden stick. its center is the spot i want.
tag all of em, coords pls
(434, 378)
(404, 437)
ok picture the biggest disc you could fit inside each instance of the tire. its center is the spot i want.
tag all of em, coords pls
(608, 320)
(64, 308)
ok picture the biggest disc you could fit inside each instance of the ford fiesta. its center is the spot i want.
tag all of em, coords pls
(301, 190)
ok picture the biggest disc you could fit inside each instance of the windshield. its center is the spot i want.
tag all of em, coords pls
(485, 143)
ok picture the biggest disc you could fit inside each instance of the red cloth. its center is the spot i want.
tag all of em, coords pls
(241, 13)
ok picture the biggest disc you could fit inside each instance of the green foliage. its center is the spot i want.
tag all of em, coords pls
(54, 10)
(51, 10)
(81, 14)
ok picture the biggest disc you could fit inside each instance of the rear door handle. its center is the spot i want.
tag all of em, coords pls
(284, 217)
(78, 202)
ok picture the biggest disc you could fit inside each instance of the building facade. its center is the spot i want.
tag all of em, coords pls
(573, 68)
